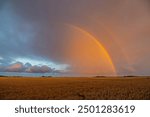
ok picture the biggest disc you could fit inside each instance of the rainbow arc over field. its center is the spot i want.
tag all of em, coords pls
(97, 43)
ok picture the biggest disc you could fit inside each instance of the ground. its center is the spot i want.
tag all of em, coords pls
(96, 88)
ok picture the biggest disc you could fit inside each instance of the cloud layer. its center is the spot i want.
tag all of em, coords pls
(36, 29)
(28, 68)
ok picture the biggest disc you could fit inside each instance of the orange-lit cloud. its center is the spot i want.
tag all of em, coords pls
(16, 67)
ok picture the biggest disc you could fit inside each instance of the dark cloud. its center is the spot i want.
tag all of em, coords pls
(2, 2)
(36, 29)
(15, 34)
(51, 16)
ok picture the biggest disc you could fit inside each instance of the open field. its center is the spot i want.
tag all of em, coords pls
(74, 88)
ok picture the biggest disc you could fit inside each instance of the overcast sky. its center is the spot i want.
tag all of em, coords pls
(58, 35)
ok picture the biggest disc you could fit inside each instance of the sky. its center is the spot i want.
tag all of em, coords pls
(75, 37)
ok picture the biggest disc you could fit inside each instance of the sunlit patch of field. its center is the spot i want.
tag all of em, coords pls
(74, 88)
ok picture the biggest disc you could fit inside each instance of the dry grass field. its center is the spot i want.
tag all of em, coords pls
(74, 88)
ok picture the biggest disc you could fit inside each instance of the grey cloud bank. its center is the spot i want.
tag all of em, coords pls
(26, 68)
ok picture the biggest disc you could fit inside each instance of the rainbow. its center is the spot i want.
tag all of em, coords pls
(95, 40)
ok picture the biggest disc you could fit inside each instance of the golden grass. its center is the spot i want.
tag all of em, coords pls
(74, 88)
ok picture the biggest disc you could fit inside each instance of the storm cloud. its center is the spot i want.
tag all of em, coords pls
(37, 30)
